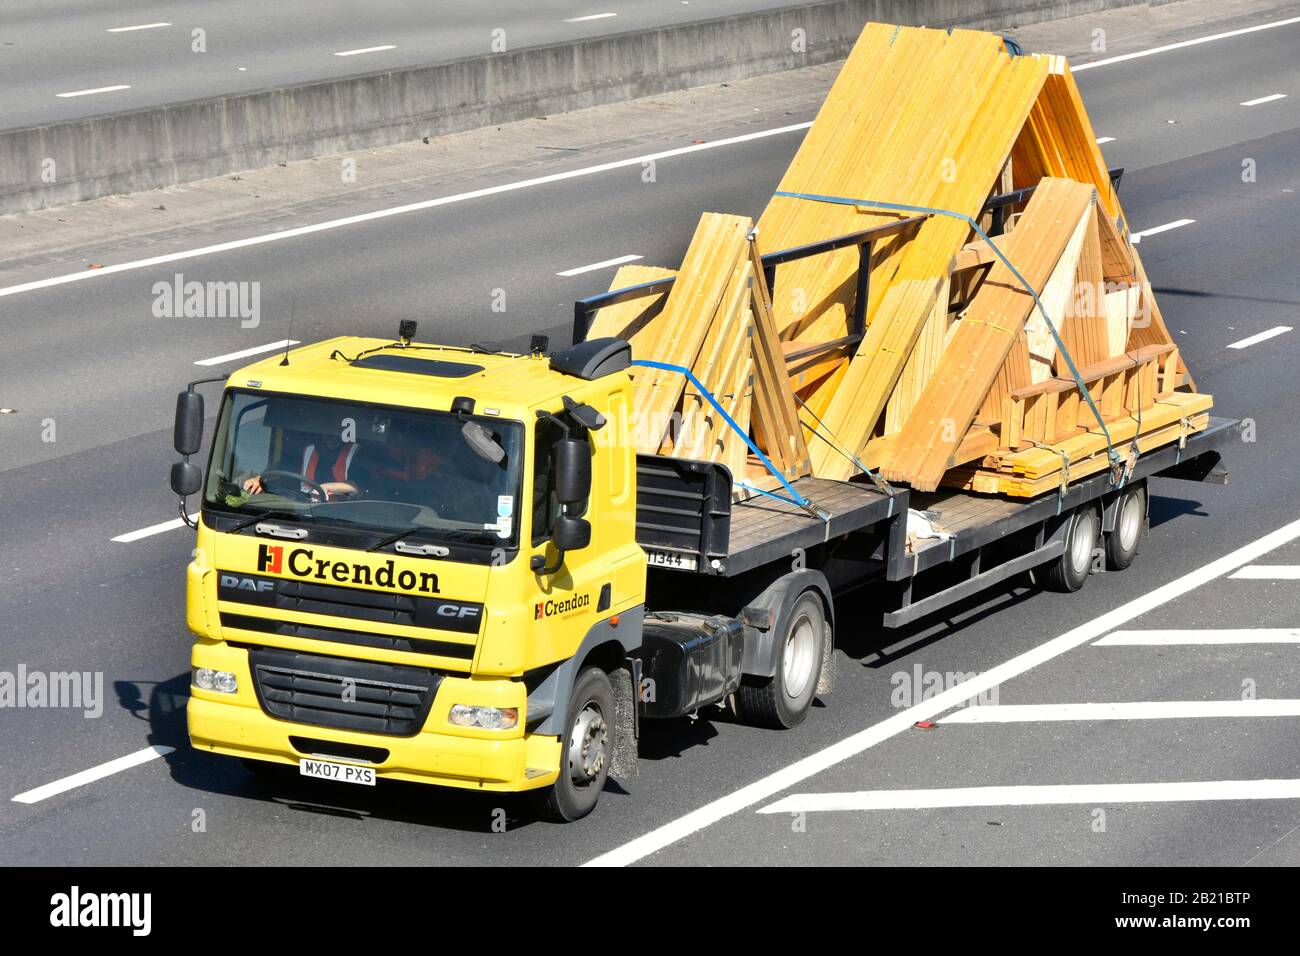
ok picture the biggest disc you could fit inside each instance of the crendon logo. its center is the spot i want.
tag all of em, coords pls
(545, 609)
(270, 557)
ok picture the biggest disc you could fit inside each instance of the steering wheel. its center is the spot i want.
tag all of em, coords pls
(314, 492)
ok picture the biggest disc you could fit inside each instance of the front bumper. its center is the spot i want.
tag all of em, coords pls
(236, 725)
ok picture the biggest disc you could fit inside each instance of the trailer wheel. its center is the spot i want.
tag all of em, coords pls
(1069, 571)
(1130, 526)
(588, 749)
(782, 701)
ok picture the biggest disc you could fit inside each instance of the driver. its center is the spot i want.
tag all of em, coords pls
(326, 461)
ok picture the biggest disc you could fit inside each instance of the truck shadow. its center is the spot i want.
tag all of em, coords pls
(392, 800)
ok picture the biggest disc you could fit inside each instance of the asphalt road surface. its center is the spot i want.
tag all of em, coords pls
(89, 360)
(66, 59)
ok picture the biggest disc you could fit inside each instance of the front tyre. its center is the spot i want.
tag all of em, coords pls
(588, 749)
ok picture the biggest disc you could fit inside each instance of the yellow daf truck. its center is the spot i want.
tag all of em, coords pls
(449, 566)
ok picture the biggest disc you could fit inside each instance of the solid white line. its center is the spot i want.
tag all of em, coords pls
(398, 210)
(1028, 796)
(1249, 635)
(1260, 337)
(100, 89)
(1269, 572)
(1156, 230)
(256, 350)
(152, 530)
(142, 26)
(367, 49)
(1184, 43)
(815, 763)
(1125, 710)
(1265, 99)
(93, 774)
(598, 265)
(594, 16)
(1103, 140)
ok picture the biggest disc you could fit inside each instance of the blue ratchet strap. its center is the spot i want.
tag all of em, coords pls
(1111, 453)
(795, 498)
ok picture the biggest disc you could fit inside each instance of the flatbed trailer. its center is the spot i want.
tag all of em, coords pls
(709, 555)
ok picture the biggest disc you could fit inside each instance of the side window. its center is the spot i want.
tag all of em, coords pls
(545, 505)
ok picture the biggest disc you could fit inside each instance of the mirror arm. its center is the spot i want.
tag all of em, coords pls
(538, 563)
(185, 514)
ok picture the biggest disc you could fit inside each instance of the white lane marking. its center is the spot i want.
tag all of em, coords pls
(1260, 337)
(598, 265)
(152, 530)
(594, 16)
(1103, 140)
(256, 350)
(1156, 230)
(1249, 635)
(367, 49)
(1265, 99)
(1125, 710)
(399, 210)
(1029, 796)
(141, 26)
(93, 774)
(1183, 43)
(855, 744)
(1269, 572)
(98, 89)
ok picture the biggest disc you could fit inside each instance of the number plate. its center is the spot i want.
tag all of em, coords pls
(342, 772)
(670, 559)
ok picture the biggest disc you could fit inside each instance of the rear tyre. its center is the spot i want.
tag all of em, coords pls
(782, 701)
(1130, 527)
(1068, 572)
(588, 749)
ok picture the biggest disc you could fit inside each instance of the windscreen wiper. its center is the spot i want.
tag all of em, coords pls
(272, 513)
(394, 538)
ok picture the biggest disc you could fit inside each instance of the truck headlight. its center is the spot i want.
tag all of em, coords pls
(222, 682)
(486, 718)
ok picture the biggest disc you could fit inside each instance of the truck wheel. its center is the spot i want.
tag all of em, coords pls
(1069, 571)
(588, 749)
(782, 701)
(1130, 525)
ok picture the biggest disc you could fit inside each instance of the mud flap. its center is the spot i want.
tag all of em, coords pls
(624, 762)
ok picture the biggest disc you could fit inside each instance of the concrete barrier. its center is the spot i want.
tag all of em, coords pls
(146, 149)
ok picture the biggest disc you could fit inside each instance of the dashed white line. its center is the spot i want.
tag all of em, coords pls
(1183, 43)
(594, 16)
(98, 89)
(256, 350)
(152, 530)
(1103, 140)
(1269, 572)
(367, 49)
(1173, 638)
(1265, 99)
(1156, 230)
(94, 773)
(1260, 337)
(1125, 710)
(398, 210)
(851, 746)
(141, 26)
(1096, 794)
(598, 265)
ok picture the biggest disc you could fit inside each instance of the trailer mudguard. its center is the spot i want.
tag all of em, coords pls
(761, 652)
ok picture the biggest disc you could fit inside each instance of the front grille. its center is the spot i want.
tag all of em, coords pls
(339, 635)
(347, 694)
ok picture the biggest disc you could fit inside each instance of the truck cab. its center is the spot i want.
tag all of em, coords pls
(411, 563)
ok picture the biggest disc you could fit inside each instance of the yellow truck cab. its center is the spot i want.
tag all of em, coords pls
(403, 553)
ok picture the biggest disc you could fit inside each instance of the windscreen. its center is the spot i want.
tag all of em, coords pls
(314, 460)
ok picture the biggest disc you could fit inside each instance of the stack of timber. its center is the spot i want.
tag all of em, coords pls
(962, 376)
